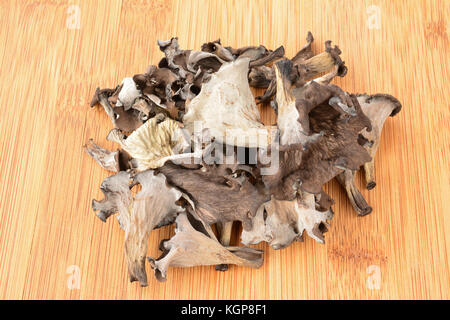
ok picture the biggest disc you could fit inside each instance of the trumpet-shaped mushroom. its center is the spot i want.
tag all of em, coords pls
(226, 107)
(106, 93)
(321, 63)
(154, 206)
(306, 52)
(270, 57)
(292, 120)
(281, 222)
(185, 61)
(216, 48)
(377, 108)
(189, 248)
(125, 120)
(156, 81)
(307, 66)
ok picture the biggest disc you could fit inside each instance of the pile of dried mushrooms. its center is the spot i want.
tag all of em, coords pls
(191, 139)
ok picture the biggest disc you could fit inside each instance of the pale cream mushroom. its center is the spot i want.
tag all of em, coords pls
(189, 248)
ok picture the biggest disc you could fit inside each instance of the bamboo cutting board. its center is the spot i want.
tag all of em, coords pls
(53, 55)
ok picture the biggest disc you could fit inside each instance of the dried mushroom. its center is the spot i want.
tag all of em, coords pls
(377, 108)
(126, 120)
(305, 66)
(238, 201)
(192, 142)
(189, 248)
(153, 143)
(226, 107)
(281, 222)
(310, 151)
(154, 206)
(112, 161)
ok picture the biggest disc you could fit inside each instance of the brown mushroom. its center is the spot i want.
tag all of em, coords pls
(267, 58)
(216, 48)
(125, 120)
(156, 81)
(185, 61)
(347, 180)
(377, 108)
(261, 76)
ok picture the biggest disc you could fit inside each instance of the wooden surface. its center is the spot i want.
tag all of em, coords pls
(49, 71)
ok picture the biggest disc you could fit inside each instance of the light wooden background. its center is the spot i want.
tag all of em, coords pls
(50, 71)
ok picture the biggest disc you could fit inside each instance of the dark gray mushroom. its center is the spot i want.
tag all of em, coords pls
(191, 137)
(238, 201)
(318, 140)
(377, 108)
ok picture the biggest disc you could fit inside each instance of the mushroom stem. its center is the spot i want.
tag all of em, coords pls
(369, 170)
(278, 53)
(136, 249)
(269, 93)
(347, 180)
(103, 100)
(283, 85)
(225, 232)
(319, 63)
(224, 238)
(326, 79)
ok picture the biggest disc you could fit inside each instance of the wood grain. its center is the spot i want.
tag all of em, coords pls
(49, 72)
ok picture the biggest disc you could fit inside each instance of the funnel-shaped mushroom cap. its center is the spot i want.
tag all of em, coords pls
(226, 107)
